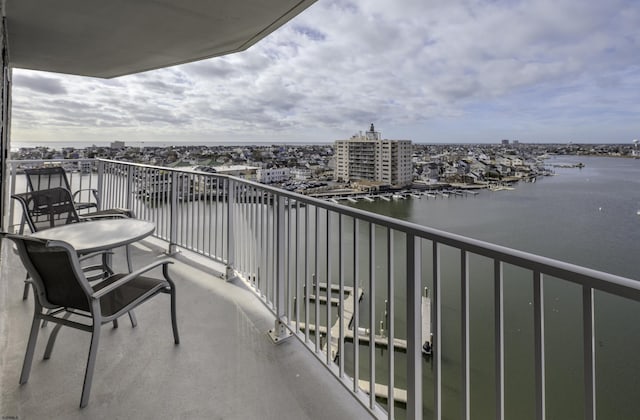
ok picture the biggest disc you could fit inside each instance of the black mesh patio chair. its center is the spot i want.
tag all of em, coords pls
(62, 288)
(55, 176)
(45, 209)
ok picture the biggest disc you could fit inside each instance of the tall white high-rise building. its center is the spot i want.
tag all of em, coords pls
(370, 157)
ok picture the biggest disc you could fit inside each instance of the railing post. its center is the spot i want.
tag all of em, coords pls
(498, 305)
(100, 183)
(173, 213)
(437, 333)
(464, 339)
(129, 186)
(280, 331)
(538, 314)
(588, 328)
(414, 328)
(12, 175)
(230, 228)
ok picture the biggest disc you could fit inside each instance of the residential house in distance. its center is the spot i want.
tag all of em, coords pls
(369, 157)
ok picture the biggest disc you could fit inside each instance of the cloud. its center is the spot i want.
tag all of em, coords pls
(40, 84)
(420, 69)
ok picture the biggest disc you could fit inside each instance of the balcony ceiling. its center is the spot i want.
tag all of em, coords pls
(117, 37)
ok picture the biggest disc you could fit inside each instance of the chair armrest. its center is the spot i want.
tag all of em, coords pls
(129, 277)
(93, 191)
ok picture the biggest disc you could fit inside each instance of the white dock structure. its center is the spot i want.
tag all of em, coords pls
(382, 391)
(364, 335)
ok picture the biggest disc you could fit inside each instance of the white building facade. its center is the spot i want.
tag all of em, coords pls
(269, 176)
(369, 157)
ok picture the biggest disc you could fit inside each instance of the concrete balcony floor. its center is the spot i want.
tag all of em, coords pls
(225, 367)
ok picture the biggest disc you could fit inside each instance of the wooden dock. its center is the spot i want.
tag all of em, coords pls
(347, 320)
(364, 336)
(382, 391)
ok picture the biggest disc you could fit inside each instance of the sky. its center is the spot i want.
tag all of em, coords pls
(430, 71)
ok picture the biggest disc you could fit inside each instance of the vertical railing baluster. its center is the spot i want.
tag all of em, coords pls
(268, 252)
(390, 325)
(129, 198)
(229, 223)
(436, 346)
(261, 270)
(191, 240)
(256, 237)
(273, 245)
(372, 316)
(100, 183)
(414, 326)
(316, 281)
(538, 313)
(279, 332)
(184, 213)
(589, 344)
(12, 174)
(239, 232)
(288, 258)
(307, 275)
(174, 213)
(328, 261)
(341, 352)
(464, 339)
(498, 310)
(356, 308)
(297, 270)
(210, 227)
(216, 221)
(199, 222)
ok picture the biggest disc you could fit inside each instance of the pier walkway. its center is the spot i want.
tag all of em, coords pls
(364, 336)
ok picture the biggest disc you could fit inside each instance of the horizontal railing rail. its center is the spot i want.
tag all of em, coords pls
(350, 285)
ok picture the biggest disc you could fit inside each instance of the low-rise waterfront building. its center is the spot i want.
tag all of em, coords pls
(270, 176)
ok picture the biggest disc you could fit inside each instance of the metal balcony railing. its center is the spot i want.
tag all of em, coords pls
(349, 284)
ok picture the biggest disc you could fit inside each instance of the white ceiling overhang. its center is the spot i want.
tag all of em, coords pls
(109, 38)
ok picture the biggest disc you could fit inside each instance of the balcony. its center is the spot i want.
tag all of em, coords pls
(225, 366)
(296, 266)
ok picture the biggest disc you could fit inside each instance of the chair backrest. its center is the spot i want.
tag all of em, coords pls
(49, 208)
(55, 271)
(47, 178)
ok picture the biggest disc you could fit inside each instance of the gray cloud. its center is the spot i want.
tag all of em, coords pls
(40, 84)
(417, 67)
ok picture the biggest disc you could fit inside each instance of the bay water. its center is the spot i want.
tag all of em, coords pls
(589, 217)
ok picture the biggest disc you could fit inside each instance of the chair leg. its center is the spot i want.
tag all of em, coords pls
(132, 317)
(128, 253)
(31, 347)
(25, 291)
(91, 364)
(172, 292)
(174, 321)
(52, 338)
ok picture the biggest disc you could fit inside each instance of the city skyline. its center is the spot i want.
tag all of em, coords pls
(426, 71)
